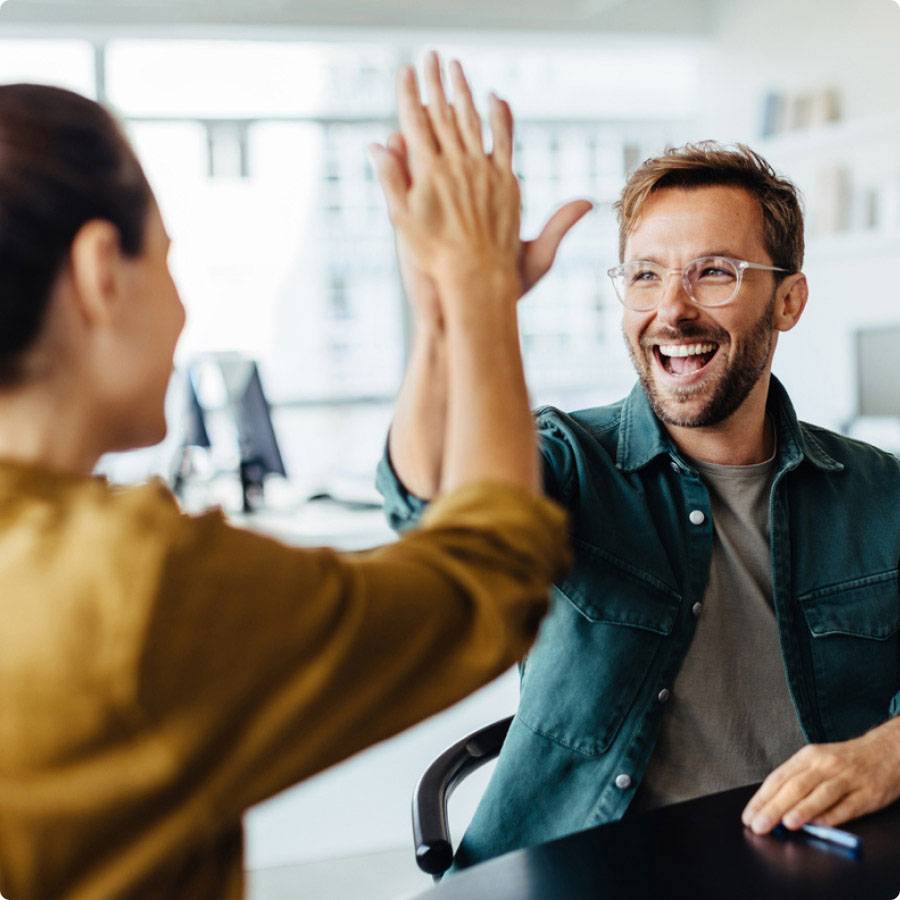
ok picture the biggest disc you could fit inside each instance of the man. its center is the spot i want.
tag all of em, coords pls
(733, 611)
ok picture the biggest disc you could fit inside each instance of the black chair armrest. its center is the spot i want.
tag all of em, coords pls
(431, 833)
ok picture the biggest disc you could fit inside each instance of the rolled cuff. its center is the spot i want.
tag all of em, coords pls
(402, 508)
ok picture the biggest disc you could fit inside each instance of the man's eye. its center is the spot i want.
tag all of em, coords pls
(643, 276)
(714, 272)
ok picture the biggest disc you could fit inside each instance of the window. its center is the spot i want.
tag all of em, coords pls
(68, 64)
(282, 248)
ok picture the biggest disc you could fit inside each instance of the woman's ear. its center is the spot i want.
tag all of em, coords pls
(790, 301)
(96, 266)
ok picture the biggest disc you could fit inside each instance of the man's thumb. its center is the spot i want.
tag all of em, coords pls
(540, 253)
(391, 173)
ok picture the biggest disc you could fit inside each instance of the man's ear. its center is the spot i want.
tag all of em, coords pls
(790, 301)
(95, 261)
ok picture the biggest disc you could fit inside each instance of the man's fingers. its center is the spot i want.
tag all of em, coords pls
(392, 177)
(397, 145)
(850, 806)
(501, 132)
(467, 117)
(791, 793)
(443, 119)
(414, 120)
(767, 790)
(538, 255)
(821, 798)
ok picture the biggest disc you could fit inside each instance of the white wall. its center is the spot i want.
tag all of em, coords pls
(799, 45)
(805, 46)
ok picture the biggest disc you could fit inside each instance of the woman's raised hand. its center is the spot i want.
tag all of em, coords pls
(455, 207)
(395, 166)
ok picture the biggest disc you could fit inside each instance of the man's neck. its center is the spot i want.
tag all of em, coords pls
(746, 437)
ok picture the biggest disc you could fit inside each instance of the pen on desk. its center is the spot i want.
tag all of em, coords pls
(833, 836)
(824, 833)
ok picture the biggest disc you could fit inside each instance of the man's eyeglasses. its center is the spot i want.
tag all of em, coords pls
(708, 281)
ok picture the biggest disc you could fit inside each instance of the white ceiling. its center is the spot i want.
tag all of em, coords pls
(663, 17)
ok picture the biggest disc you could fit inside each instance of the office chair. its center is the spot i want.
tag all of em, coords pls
(431, 832)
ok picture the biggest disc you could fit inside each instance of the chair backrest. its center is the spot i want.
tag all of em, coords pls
(431, 831)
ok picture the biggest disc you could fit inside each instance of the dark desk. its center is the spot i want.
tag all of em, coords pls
(697, 850)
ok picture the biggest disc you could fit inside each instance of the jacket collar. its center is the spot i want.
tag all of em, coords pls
(642, 436)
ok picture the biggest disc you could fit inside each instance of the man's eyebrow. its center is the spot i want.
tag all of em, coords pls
(719, 252)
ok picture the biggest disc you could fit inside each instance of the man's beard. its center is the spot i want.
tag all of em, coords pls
(734, 385)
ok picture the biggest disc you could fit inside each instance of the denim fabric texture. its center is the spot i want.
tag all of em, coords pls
(621, 622)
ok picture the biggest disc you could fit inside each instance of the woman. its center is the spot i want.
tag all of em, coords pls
(161, 673)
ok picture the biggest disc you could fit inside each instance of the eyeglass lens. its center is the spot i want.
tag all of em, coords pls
(711, 281)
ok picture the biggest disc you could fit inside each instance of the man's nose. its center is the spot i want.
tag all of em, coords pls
(675, 304)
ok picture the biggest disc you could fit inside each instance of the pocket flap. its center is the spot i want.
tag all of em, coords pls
(606, 589)
(866, 607)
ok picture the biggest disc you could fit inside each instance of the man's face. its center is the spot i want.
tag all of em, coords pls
(676, 226)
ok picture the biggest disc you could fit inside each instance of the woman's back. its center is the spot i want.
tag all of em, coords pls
(162, 673)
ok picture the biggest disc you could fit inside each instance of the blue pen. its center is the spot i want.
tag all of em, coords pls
(833, 836)
(824, 833)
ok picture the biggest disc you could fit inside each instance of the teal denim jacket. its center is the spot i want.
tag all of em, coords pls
(621, 622)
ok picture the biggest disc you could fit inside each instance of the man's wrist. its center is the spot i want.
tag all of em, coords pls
(888, 731)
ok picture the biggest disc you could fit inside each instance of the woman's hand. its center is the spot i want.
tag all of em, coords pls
(454, 131)
(456, 208)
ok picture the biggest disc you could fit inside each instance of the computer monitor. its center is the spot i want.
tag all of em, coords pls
(195, 433)
(191, 428)
(878, 371)
(258, 447)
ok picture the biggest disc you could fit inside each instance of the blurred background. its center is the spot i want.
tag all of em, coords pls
(252, 121)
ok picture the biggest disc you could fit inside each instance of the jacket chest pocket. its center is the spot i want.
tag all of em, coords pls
(594, 651)
(855, 647)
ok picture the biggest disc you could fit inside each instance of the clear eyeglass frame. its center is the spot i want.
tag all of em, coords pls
(688, 274)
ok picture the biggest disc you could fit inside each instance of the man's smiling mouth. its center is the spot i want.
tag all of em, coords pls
(684, 360)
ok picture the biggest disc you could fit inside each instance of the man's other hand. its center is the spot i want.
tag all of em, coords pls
(828, 784)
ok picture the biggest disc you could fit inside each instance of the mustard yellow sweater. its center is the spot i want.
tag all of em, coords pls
(160, 673)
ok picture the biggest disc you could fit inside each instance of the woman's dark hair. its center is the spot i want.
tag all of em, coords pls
(64, 161)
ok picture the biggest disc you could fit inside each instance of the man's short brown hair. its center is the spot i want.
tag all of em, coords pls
(708, 163)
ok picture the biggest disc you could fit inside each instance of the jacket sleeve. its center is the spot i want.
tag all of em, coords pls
(894, 708)
(263, 664)
(404, 510)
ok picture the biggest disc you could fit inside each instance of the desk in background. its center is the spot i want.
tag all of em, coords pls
(321, 523)
(697, 850)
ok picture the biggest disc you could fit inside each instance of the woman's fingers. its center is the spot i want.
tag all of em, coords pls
(467, 118)
(415, 123)
(443, 118)
(502, 132)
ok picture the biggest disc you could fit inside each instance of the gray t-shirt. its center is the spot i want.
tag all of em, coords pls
(730, 720)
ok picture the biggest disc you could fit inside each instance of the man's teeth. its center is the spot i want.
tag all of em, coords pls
(686, 349)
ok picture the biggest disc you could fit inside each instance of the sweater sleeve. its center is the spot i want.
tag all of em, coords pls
(262, 664)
